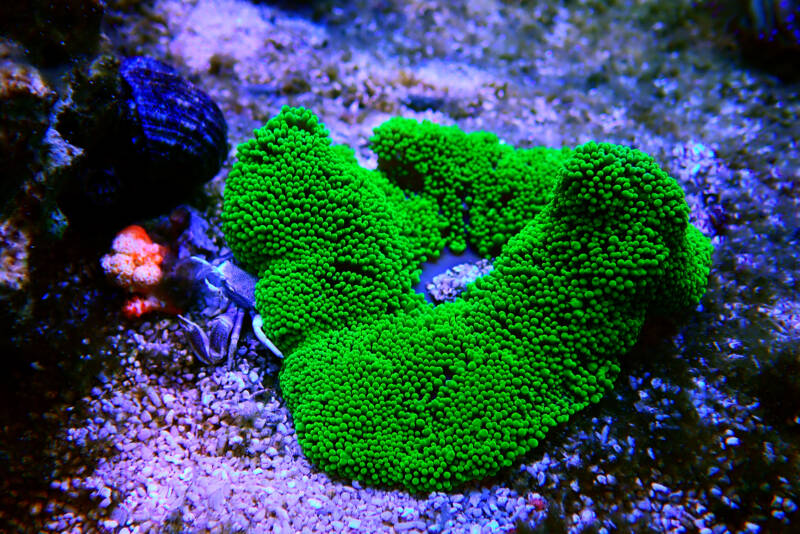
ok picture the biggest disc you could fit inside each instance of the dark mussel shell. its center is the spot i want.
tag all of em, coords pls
(149, 136)
(180, 128)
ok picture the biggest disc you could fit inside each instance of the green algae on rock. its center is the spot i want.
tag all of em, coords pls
(388, 389)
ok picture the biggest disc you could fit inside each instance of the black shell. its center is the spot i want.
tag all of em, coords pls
(178, 127)
(149, 136)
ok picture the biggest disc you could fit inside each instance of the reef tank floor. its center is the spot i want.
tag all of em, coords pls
(119, 128)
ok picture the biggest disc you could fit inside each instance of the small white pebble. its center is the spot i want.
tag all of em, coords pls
(153, 396)
(168, 399)
(314, 503)
(659, 487)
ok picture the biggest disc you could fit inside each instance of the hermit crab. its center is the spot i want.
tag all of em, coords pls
(235, 290)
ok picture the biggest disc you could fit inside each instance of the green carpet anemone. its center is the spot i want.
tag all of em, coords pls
(388, 389)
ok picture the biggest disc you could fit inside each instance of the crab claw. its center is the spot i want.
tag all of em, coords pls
(258, 330)
(196, 338)
(209, 349)
(198, 268)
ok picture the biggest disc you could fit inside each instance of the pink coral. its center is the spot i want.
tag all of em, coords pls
(135, 264)
(139, 305)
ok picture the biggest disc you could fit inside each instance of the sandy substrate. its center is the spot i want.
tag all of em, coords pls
(699, 434)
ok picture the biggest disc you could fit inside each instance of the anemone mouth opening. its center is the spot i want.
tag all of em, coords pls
(447, 260)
